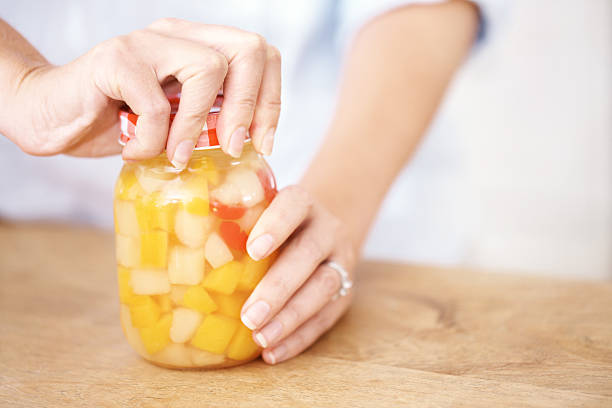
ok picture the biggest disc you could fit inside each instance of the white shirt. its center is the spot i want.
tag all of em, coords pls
(423, 217)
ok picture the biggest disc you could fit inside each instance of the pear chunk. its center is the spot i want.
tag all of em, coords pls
(216, 251)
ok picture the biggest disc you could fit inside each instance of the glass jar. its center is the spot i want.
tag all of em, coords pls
(183, 270)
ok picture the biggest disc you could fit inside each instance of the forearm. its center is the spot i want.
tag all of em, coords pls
(394, 80)
(18, 58)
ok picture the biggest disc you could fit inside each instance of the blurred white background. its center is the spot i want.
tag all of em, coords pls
(536, 110)
(533, 111)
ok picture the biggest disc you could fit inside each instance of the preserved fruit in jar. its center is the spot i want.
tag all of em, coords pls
(183, 270)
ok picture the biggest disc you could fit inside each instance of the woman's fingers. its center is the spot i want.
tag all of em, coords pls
(240, 91)
(248, 56)
(318, 290)
(307, 333)
(287, 212)
(290, 307)
(146, 98)
(131, 68)
(301, 255)
(204, 59)
(123, 76)
(267, 110)
(201, 71)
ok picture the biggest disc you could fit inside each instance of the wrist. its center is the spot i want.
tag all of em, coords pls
(51, 109)
(19, 120)
(331, 194)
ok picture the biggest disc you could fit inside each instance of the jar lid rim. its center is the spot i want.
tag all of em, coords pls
(128, 122)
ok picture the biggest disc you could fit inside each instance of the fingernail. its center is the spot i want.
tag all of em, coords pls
(182, 153)
(268, 334)
(268, 142)
(255, 314)
(271, 357)
(261, 340)
(236, 142)
(260, 248)
(278, 354)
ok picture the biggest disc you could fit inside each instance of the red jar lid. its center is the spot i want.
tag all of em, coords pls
(208, 138)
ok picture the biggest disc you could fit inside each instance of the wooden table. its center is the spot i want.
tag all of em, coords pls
(416, 336)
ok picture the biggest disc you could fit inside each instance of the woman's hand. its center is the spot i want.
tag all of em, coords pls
(73, 108)
(295, 302)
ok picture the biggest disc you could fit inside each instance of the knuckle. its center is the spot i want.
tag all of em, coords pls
(147, 150)
(329, 281)
(218, 63)
(299, 339)
(282, 290)
(165, 23)
(300, 195)
(246, 103)
(136, 36)
(280, 216)
(350, 255)
(292, 315)
(255, 43)
(274, 54)
(272, 104)
(193, 114)
(309, 248)
(324, 321)
(158, 107)
(335, 225)
(346, 250)
(112, 50)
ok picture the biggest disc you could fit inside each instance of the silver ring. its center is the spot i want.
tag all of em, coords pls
(345, 282)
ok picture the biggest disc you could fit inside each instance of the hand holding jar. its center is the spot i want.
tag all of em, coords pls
(73, 108)
(209, 253)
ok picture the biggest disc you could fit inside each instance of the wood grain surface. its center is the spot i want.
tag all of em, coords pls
(416, 336)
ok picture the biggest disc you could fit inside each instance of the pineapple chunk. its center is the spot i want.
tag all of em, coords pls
(197, 206)
(127, 251)
(127, 187)
(126, 294)
(131, 332)
(184, 324)
(149, 282)
(250, 217)
(164, 302)
(177, 292)
(156, 337)
(174, 355)
(154, 249)
(230, 305)
(253, 272)
(215, 333)
(197, 298)
(206, 167)
(241, 187)
(242, 345)
(225, 278)
(201, 358)
(216, 251)
(153, 213)
(186, 265)
(144, 312)
(192, 230)
(126, 221)
(193, 192)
